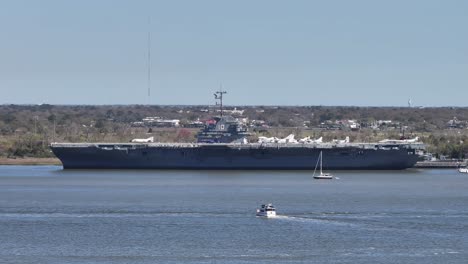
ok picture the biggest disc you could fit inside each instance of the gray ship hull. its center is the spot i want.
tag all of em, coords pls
(234, 157)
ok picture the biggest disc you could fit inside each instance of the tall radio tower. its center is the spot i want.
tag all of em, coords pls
(149, 60)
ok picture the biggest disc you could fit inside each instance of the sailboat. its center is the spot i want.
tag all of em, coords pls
(322, 175)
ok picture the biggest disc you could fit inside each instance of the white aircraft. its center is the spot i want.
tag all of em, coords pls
(338, 141)
(318, 140)
(143, 140)
(395, 141)
(267, 139)
(308, 140)
(288, 139)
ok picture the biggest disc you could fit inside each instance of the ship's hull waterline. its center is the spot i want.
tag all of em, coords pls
(234, 156)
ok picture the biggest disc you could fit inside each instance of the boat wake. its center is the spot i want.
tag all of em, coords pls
(313, 220)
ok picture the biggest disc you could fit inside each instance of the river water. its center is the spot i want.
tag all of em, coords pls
(48, 215)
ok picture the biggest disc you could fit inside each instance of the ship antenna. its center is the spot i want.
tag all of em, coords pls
(219, 96)
(149, 60)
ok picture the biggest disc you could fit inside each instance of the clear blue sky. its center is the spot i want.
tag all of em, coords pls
(377, 53)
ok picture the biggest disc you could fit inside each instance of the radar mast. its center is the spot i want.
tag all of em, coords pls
(219, 96)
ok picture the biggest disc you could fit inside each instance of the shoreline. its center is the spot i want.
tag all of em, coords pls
(29, 161)
(449, 164)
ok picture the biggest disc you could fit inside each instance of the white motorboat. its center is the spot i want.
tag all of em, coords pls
(463, 170)
(322, 175)
(266, 210)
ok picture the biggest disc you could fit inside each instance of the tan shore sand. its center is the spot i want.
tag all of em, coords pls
(29, 161)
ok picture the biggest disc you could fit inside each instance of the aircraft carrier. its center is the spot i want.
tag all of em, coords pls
(350, 156)
(223, 145)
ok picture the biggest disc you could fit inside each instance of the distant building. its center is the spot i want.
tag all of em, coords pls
(156, 121)
(383, 122)
(455, 123)
(233, 112)
(383, 125)
(195, 124)
(138, 124)
(351, 124)
(259, 125)
(340, 125)
(167, 123)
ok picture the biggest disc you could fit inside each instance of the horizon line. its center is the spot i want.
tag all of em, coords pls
(233, 105)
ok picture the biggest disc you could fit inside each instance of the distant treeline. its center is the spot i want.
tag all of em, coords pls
(27, 130)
